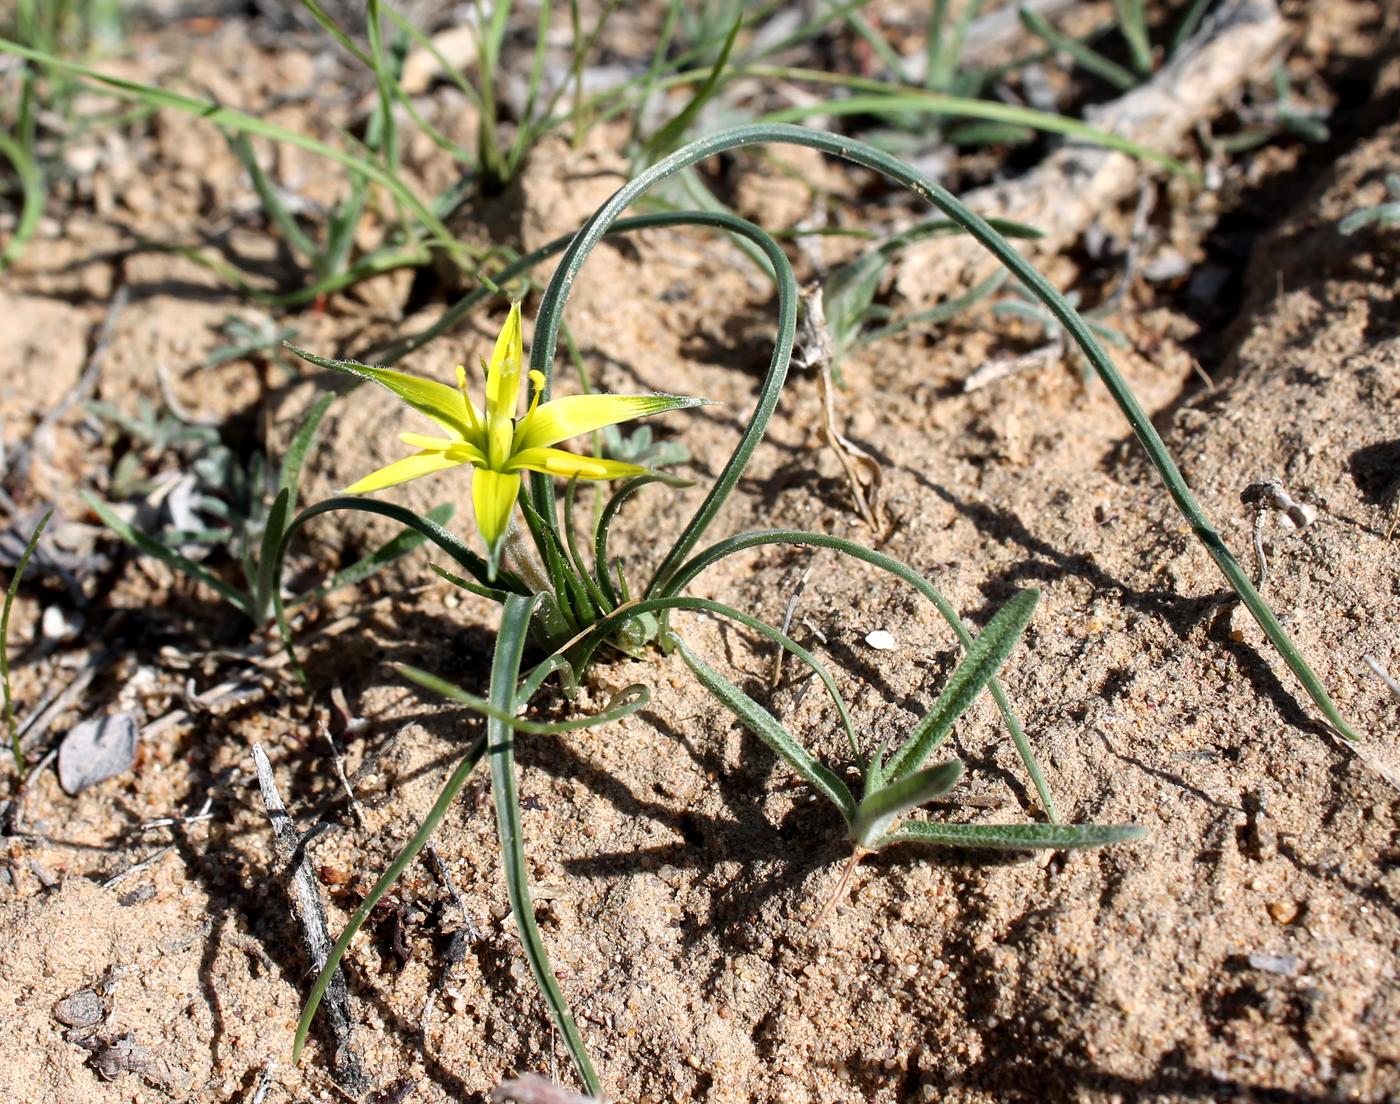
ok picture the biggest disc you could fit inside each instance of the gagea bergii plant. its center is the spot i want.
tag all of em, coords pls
(575, 608)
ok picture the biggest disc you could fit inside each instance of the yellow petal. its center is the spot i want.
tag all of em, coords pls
(461, 452)
(560, 419)
(442, 403)
(401, 471)
(423, 441)
(503, 387)
(555, 461)
(493, 497)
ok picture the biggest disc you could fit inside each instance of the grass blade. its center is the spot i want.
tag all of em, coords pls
(168, 556)
(295, 458)
(1132, 22)
(1012, 837)
(269, 567)
(10, 594)
(1087, 57)
(505, 670)
(666, 138)
(766, 727)
(979, 666)
(283, 219)
(1187, 27)
(31, 182)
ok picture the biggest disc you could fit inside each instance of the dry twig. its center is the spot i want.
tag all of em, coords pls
(290, 847)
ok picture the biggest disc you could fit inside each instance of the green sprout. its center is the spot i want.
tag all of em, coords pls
(242, 508)
(1022, 304)
(15, 747)
(894, 781)
(1382, 214)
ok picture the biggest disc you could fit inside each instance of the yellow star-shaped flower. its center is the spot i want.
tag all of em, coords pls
(497, 444)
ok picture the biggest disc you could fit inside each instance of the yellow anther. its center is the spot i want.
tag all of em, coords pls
(537, 385)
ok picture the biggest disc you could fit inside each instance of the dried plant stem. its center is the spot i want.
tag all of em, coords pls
(290, 847)
(843, 886)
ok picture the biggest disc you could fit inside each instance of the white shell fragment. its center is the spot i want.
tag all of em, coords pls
(96, 750)
(59, 625)
(881, 640)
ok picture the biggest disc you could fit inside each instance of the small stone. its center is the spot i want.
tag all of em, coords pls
(1283, 912)
(96, 750)
(59, 625)
(881, 640)
(1286, 965)
(82, 1008)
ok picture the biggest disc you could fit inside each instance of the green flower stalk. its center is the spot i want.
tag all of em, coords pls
(496, 444)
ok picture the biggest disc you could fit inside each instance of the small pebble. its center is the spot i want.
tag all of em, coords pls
(96, 750)
(881, 640)
(83, 1008)
(59, 625)
(1287, 965)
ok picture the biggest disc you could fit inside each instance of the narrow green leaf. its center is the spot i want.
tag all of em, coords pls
(1012, 837)
(1187, 27)
(10, 594)
(664, 139)
(1087, 57)
(367, 567)
(429, 528)
(849, 292)
(505, 670)
(169, 556)
(600, 599)
(490, 593)
(269, 567)
(1132, 22)
(31, 182)
(609, 513)
(296, 238)
(984, 658)
(622, 704)
(763, 725)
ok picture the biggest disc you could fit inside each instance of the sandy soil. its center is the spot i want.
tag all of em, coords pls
(1246, 949)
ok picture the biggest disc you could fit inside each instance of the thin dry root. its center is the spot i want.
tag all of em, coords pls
(842, 887)
(853, 458)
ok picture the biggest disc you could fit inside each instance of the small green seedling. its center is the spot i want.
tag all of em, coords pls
(15, 748)
(1382, 214)
(242, 508)
(849, 292)
(1022, 304)
(258, 338)
(894, 781)
(1130, 17)
(1282, 117)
